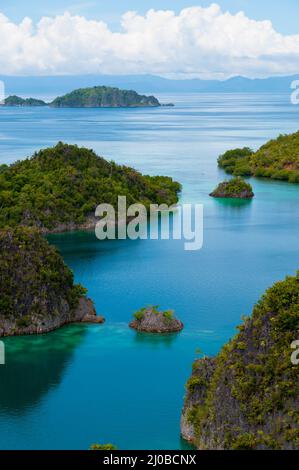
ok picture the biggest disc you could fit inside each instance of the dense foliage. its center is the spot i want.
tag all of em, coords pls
(103, 447)
(34, 281)
(64, 184)
(17, 101)
(103, 96)
(236, 187)
(250, 397)
(278, 159)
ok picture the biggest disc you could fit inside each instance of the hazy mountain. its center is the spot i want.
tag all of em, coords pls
(55, 85)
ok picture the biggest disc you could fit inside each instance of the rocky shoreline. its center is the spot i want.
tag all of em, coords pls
(84, 313)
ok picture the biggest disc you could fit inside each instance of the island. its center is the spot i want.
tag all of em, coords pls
(278, 159)
(59, 188)
(38, 293)
(17, 101)
(104, 97)
(247, 397)
(234, 188)
(151, 320)
(92, 97)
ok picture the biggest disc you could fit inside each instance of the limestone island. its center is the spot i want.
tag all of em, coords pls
(247, 397)
(37, 290)
(278, 159)
(59, 188)
(234, 188)
(150, 320)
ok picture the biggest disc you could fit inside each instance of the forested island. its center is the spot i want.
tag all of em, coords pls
(17, 101)
(58, 189)
(37, 290)
(234, 188)
(104, 97)
(93, 97)
(278, 159)
(247, 397)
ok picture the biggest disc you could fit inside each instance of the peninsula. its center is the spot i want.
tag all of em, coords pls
(278, 159)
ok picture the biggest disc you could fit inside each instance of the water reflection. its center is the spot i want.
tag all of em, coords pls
(35, 365)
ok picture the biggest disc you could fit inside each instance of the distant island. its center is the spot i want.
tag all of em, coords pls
(278, 159)
(234, 188)
(59, 188)
(151, 320)
(38, 293)
(17, 101)
(104, 97)
(93, 97)
(247, 397)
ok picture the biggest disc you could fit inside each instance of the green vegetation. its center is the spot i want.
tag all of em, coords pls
(63, 185)
(102, 447)
(234, 188)
(102, 97)
(17, 101)
(34, 281)
(278, 159)
(248, 396)
(141, 312)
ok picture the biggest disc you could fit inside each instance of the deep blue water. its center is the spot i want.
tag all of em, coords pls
(85, 384)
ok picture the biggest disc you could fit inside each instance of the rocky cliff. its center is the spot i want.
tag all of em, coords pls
(37, 290)
(248, 396)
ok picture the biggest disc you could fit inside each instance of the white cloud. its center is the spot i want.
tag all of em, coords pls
(204, 42)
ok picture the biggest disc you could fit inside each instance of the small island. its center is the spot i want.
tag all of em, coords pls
(151, 320)
(234, 188)
(17, 101)
(37, 289)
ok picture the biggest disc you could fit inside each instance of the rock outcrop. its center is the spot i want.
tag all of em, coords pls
(37, 290)
(248, 396)
(152, 321)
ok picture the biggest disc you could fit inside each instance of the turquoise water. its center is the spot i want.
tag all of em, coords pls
(106, 383)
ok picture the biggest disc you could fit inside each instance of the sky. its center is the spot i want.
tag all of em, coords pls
(174, 38)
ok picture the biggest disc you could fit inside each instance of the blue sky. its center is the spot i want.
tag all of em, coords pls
(282, 13)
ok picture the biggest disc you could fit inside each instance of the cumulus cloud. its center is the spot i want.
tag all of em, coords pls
(203, 42)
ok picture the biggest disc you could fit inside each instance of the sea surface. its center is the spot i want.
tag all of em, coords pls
(106, 383)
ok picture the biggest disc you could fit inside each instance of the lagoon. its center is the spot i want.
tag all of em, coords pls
(107, 383)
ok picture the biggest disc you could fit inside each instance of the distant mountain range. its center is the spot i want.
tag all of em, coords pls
(55, 85)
